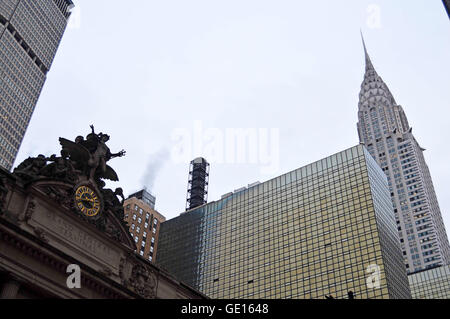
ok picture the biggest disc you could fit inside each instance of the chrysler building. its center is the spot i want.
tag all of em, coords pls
(383, 127)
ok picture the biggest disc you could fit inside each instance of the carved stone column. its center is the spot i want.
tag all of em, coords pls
(10, 288)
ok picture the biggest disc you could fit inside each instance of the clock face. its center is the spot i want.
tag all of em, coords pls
(87, 201)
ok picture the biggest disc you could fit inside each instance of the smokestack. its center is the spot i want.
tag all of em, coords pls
(197, 193)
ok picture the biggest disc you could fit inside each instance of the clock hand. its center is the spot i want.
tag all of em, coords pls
(87, 199)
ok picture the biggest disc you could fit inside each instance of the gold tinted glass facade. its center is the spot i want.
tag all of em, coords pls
(309, 233)
(431, 284)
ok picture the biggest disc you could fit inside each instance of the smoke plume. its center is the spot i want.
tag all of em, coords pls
(154, 165)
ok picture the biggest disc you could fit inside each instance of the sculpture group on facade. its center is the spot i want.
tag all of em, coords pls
(83, 160)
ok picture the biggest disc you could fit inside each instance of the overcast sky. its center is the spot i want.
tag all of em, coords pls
(153, 73)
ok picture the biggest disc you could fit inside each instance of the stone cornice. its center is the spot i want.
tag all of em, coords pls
(38, 249)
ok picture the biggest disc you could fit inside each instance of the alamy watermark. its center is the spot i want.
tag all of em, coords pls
(258, 146)
(74, 279)
(374, 16)
(374, 278)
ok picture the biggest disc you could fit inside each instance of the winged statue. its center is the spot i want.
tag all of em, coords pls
(90, 155)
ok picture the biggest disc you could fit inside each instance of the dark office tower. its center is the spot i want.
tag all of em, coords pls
(383, 127)
(197, 193)
(30, 33)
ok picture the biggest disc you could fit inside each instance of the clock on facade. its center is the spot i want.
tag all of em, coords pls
(87, 201)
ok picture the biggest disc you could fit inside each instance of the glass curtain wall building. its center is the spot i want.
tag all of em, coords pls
(431, 284)
(30, 33)
(324, 229)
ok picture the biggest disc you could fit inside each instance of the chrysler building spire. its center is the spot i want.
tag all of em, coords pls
(383, 127)
(369, 65)
(373, 89)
